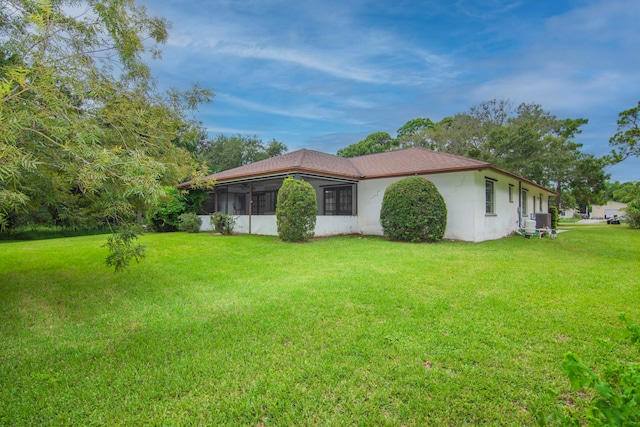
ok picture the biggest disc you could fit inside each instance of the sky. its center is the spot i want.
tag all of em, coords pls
(325, 74)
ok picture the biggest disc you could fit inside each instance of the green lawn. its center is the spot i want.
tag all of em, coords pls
(215, 330)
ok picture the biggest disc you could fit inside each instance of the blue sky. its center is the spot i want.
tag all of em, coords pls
(325, 74)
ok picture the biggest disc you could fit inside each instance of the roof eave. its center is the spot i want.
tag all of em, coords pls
(276, 172)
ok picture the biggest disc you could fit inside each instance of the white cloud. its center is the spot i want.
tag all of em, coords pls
(305, 112)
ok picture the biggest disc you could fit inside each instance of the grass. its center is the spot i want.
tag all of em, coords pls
(246, 330)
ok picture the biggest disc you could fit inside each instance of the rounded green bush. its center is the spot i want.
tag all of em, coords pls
(189, 222)
(296, 210)
(223, 223)
(413, 210)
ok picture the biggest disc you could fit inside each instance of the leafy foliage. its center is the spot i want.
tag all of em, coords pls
(553, 210)
(296, 210)
(413, 210)
(633, 214)
(223, 223)
(227, 152)
(626, 140)
(92, 146)
(617, 392)
(189, 222)
(409, 135)
(625, 192)
(377, 142)
(523, 139)
(122, 248)
(415, 126)
(164, 217)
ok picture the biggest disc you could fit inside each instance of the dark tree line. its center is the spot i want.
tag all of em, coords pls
(523, 139)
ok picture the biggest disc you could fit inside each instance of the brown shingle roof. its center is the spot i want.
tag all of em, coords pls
(394, 163)
(411, 161)
(297, 161)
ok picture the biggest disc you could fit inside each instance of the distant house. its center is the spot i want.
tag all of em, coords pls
(483, 202)
(609, 210)
(568, 213)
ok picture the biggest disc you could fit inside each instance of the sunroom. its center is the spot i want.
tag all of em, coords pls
(252, 201)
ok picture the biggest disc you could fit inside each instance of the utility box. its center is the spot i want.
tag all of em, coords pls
(543, 220)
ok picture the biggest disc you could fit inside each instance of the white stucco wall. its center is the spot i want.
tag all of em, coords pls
(333, 225)
(266, 225)
(463, 193)
(505, 219)
(260, 224)
(457, 189)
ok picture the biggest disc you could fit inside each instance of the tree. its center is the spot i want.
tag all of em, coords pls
(228, 152)
(414, 126)
(457, 135)
(523, 139)
(526, 140)
(377, 142)
(626, 192)
(627, 139)
(629, 193)
(296, 210)
(83, 131)
(587, 185)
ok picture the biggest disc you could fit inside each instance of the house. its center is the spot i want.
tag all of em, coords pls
(483, 202)
(568, 213)
(608, 211)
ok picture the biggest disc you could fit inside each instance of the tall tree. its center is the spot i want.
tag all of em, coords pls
(83, 131)
(414, 132)
(377, 142)
(627, 140)
(228, 152)
(625, 192)
(524, 139)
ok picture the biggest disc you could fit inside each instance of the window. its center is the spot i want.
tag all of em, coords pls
(338, 201)
(264, 203)
(540, 202)
(525, 211)
(510, 193)
(490, 197)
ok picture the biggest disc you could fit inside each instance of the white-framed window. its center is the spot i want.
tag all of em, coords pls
(510, 193)
(490, 197)
(525, 210)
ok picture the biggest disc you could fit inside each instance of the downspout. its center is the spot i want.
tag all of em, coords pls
(519, 204)
(250, 203)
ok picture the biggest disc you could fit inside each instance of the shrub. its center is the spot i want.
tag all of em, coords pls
(616, 392)
(296, 210)
(222, 223)
(165, 215)
(553, 210)
(633, 214)
(413, 210)
(189, 222)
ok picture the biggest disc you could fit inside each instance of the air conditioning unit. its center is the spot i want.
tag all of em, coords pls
(543, 220)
